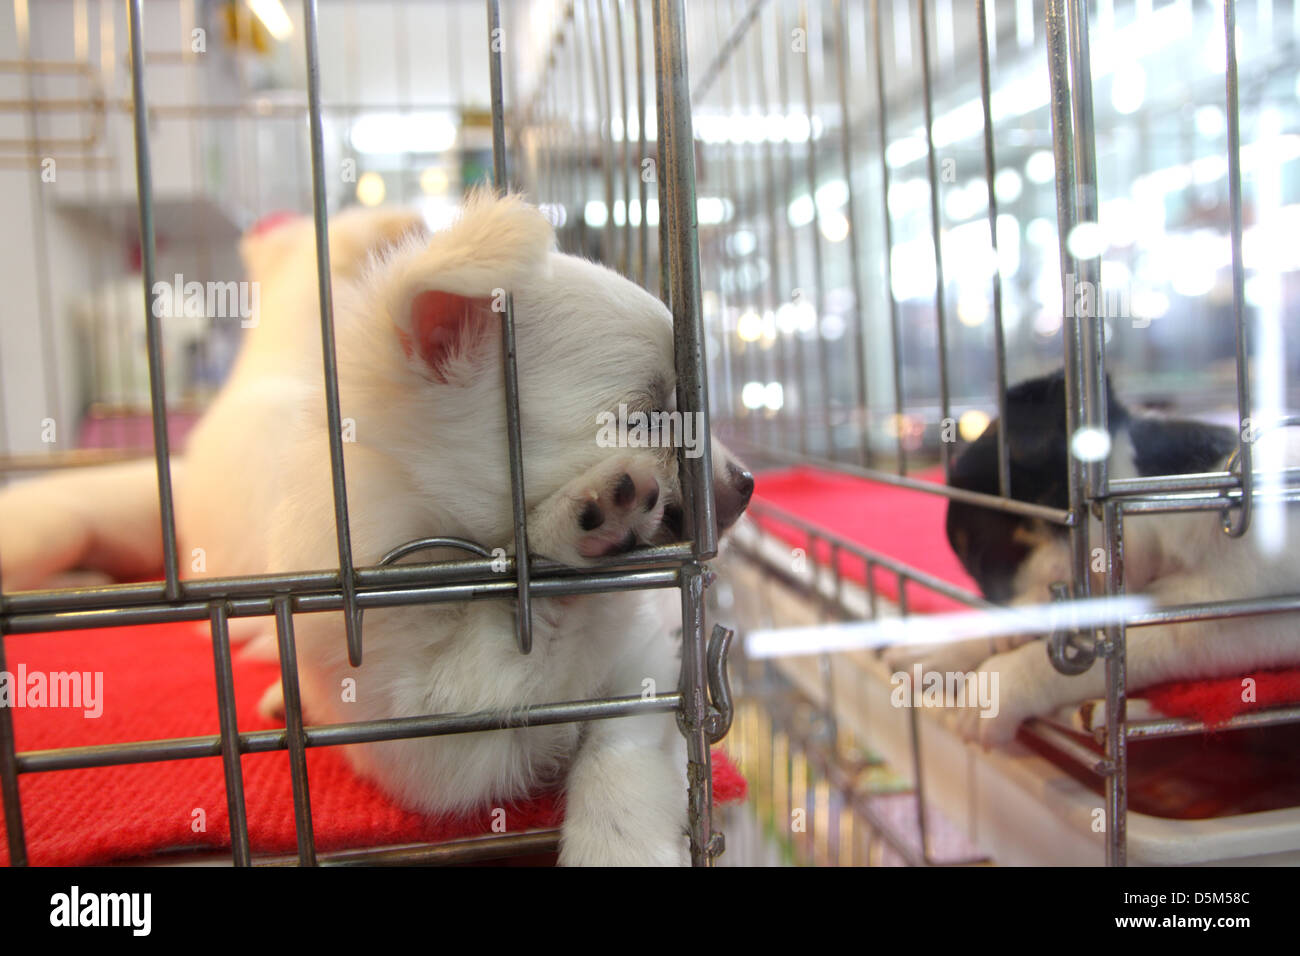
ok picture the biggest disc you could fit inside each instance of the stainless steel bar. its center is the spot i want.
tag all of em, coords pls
(581, 160)
(334, 735)
(873, 556)
(267, 585)
(736, 185)
(643, 230)
(914, 735)
(677, 166)
(152, 613)
(819, 269)
(15, 834)
(711, 72)
(990, 176)
(1116, 697)
(1067, 745)
(777, 223)
(1208, 481)
(294, 738)
(480, 849)
(895, 333)
(197, 110)
(625, 247)
(229, 737)
(802, 405)
(1007, 505)
(859, 324)
(598, 46)
(677, 169)
(153, 332)
(509, 361)
(338, 480)
(1215, 610)
(721, 157)
(1239, 527)
(1183, 727)
(1203, 502)
(666, 227)
(936, 231)
(873, 598)
(1075, 360)
(692, 719)
(1092, 337)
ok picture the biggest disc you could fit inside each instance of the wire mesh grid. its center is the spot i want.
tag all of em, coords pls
(701, 703)
(768, 127)
(802, 101)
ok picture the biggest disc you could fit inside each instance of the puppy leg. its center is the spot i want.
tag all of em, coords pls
(609, 510)
(1029, 686)
(92, 519)
(626, 802)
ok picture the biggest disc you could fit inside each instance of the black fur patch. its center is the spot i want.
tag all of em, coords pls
(986, 540)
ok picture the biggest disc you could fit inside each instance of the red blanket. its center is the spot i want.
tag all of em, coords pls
(158, 683)
(904, 524)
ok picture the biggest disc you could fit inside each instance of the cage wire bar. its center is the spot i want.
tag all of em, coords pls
(1091, 492)
(702, 703)
(217, 600)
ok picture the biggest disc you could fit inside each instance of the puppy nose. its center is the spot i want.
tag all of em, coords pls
(733, 494)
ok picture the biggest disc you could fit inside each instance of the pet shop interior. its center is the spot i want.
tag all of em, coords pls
(871, 220)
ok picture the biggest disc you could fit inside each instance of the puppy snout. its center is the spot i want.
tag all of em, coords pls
(732, 494)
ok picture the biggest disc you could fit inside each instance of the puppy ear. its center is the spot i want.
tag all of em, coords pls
(441, 295)
(441, 325)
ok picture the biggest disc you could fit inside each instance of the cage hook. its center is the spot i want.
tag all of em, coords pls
(1235, 529)
(720, 710)
(1064, 640)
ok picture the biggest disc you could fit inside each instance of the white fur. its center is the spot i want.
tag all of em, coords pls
(430, 458)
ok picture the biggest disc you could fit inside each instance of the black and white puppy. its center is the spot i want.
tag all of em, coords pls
(1175, 558)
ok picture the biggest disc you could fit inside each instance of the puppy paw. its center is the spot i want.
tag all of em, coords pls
(993, 722)
(612, 509)
(271, 706)
(956, 656)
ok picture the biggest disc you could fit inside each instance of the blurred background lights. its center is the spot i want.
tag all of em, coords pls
(371, 189)
(749, 326)
(753, 395)
(1128, 88)
(1087, 240)
(972, 424)
(434, 181)
(1210, 122)
(1041, 167)
(1090, 444)
(1008, 185)
(835, 226)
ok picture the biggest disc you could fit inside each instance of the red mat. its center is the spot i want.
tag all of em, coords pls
(158, 683)
(904, 524)
(909, 525)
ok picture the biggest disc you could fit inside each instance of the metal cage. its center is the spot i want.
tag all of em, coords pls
(701, 703)
(841, 410)
(755, 131)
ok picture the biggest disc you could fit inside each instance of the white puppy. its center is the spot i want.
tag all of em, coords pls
(420, 378)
